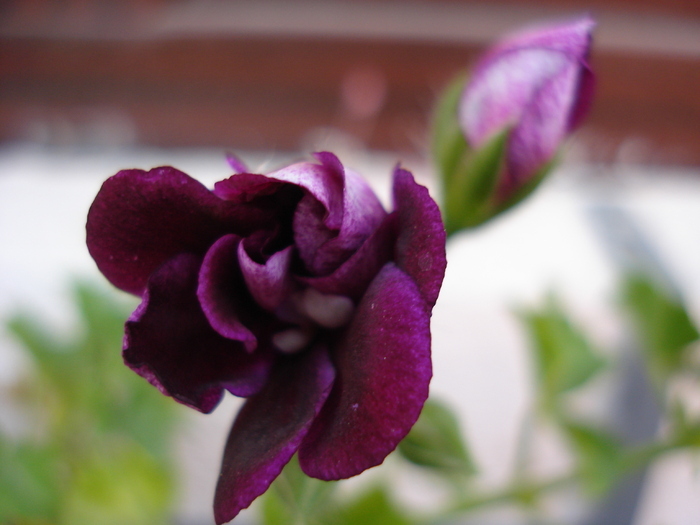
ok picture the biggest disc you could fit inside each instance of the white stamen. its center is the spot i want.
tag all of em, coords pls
(292, 340)
(330, 311)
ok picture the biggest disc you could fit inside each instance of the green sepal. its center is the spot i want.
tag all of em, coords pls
(373, 507)
(469, 177)
(527, 188)
(435, 442)
(448, 143)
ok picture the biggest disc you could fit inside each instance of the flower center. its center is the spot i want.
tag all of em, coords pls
(313, 310)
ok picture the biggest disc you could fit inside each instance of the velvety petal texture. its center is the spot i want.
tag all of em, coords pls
(269, 428)
(170, 342)
(295, 290)
(537, 83)
(384, 369)
(140, 219)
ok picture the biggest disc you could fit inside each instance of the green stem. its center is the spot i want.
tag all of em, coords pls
(528, 492)
(522, 492)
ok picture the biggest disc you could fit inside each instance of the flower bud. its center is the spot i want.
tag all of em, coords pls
(495, 137)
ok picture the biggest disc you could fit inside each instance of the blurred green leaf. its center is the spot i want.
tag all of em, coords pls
(296, 499)
(121, 485)
(373, 507)
(664, 327)
(435, 442)
(686, 430)
(29, 475)
(564, 357)
(599, 457)
(105, 432)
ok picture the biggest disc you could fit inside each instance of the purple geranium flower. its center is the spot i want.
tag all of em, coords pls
(539, 85)
(296, 290)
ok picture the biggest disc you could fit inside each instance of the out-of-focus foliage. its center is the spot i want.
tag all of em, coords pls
(599, 457)
(296, 499)
(564, 357)
(99, 452)
(664, 327)
(435, 442)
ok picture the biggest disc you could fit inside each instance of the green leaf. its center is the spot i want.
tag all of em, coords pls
(664, 328)
(296, 499)
(374, 507)
(599, 457)
(29, 485)
(435, 442)
(564, 357)
(117, 485)
(105, 447)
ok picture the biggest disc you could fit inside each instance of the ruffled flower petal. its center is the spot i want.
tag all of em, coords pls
(384, 369)
(269, 428)
(222, 292)
(353, 276)
(140, 219)
(268, 283)
(324, 182)
(169, 342)
(323, 248)
(420, 245)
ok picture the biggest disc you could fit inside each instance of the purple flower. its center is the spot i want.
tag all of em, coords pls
(296, 290)
(537, 84)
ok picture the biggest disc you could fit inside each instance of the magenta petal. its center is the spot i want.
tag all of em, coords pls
(324, 182)
(269, 428)
(420, 246)
(353, 276)
(383, 364)
(268, 283)
(544, 123)
(170, 343)
(236, 164)
(245, 187)
(140, 219)
(505, 81)
(222, 292)
(323, 249)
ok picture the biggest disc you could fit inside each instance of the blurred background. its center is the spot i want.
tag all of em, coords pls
(264, 75)
(88, 87)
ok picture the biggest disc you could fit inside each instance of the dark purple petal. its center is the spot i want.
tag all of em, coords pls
(323, 181)
(141, 219)
(323, 249)
(269, 428)
(245, 187)
(222, 291)
(170, 343)
(268, 283)
(353, 276)
(584, 97)
(383, 366)
(420, 245)
(310, 233)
